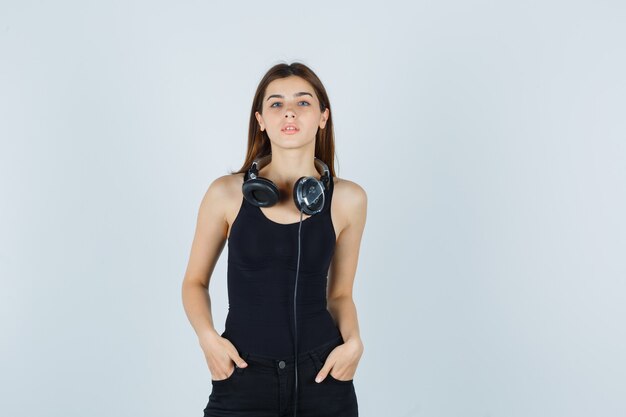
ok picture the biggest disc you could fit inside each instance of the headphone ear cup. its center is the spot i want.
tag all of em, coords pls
(295, 194)
(260, 192)
(305, 185)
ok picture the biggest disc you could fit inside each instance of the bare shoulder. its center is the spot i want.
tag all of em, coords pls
(230, 183)
(349, 203)
(223, 194)
(349, 190)
(211, 229)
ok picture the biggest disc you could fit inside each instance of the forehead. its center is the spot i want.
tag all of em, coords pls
(288, 87)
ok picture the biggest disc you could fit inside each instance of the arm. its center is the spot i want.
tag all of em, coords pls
(353, 208)
(207, 246)
(344, 263)
(208, 243)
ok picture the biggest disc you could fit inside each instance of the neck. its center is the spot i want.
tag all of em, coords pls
(287, 166)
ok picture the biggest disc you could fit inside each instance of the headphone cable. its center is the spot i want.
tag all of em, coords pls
(295, 323)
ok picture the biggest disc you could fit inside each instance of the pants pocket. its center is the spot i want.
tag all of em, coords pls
(340, 381)
(320, 359)
(236, 372)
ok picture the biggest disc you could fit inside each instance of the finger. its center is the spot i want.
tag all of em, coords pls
(226, 374)
(239, 361)
(321, 375)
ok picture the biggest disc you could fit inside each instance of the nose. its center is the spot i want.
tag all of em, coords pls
(289, 112)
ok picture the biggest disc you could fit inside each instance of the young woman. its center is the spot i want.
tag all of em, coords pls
(291, 343)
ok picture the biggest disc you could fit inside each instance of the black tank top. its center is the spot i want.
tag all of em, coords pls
(262, 261)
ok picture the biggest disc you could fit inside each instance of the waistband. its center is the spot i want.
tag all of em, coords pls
(288, 361)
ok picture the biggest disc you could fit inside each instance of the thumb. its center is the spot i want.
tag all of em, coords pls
(239, 361)
(321, 375)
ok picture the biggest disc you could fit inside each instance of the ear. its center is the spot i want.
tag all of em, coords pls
(324, 118)
(259, 119)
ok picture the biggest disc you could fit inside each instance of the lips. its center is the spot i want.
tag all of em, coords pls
(294, 128)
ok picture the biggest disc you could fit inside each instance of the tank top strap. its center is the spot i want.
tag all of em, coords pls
(245, 203)
(328, 198)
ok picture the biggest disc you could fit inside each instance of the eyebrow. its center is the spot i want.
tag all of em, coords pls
(301, 93)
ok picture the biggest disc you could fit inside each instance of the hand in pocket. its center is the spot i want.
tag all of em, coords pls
(221, 357)
(341, 362)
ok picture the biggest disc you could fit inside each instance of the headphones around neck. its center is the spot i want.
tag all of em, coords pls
(309, 193)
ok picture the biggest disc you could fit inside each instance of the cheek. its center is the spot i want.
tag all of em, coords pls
(310, 119)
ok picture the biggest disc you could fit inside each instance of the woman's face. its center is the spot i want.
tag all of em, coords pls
(291, 100)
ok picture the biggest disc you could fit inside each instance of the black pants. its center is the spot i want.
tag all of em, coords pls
(265, 388)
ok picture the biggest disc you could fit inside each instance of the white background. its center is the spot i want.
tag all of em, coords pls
(489, 137)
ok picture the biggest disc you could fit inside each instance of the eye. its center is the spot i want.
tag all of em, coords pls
(278, 102)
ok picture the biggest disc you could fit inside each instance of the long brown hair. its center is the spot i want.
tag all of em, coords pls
(259, 143)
